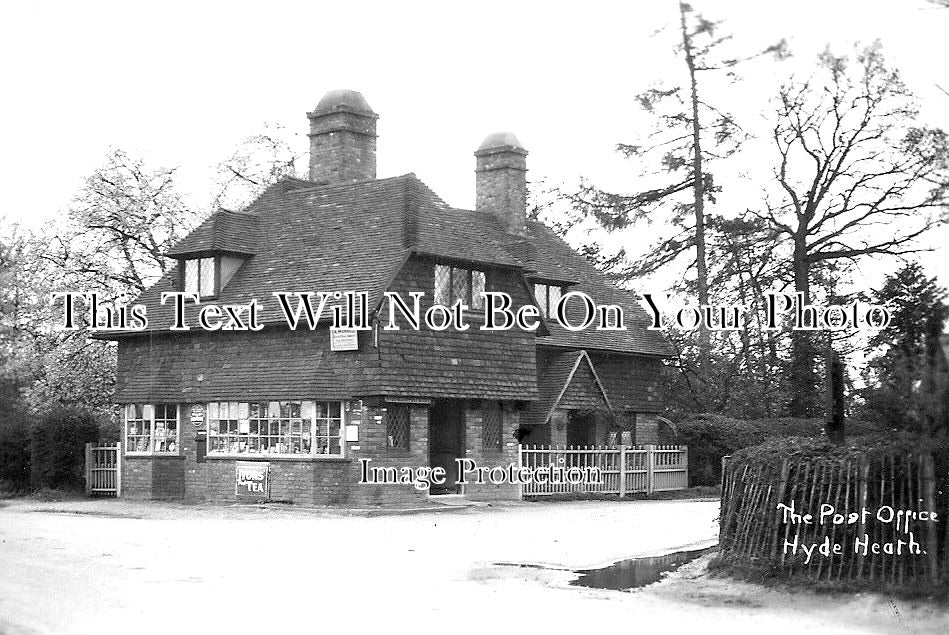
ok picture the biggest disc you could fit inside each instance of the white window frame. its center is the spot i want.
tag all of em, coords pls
(151, 431)
(314, 428)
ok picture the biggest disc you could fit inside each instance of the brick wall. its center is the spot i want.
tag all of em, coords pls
(159, 478)
(342, 147)
(507, 455)
(321, 481)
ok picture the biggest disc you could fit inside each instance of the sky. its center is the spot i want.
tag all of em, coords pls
(182, 84)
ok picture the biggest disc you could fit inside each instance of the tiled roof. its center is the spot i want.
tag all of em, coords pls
(553, 259)
(357, 236)
(225, 231)
(561, 374)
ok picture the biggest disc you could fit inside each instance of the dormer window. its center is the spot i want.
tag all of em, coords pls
(458, 283)
(547, 296)
(200, 276)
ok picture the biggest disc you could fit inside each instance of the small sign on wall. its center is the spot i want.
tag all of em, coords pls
(197, 415)
(344, 339)
(253, 480)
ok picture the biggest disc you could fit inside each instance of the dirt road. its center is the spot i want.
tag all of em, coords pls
(118, 566)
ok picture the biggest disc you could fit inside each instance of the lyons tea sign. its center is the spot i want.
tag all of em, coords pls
(253, 480)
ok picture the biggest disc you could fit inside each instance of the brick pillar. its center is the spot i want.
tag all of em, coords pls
(342, 139)
(501, 180)
(503, 457)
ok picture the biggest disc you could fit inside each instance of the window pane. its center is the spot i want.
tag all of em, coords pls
(555, 293)
(397, 426)
(460, 285)
(442, 285)
(477, 288)
(207, 276)
(540, 294)
(492, 424)
(191, 276)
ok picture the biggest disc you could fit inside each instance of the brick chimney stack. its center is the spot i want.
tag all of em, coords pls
(342, 139)
(501, 180)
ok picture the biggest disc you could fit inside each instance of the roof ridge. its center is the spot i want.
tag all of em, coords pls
(333, 186)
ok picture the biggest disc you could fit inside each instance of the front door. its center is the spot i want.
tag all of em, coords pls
(446, 442)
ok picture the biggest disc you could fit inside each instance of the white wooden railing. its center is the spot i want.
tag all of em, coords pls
(620, 470)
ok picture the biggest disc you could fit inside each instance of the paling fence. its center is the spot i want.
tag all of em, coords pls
(104, 469)
(618, 470)
(870, 535)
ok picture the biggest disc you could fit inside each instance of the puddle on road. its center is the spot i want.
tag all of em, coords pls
(636, 572)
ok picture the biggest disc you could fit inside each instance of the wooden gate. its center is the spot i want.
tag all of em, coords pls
(622, 470)
(104, 470)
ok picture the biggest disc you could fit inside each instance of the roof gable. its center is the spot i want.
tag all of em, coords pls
(570, 372)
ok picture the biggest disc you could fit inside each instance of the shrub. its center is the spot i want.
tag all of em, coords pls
(710, 437)
(57, 447)
(14, 452)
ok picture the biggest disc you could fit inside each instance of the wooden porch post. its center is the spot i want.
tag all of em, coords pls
(88, 453)
(118, 469)
(650, 468)
(685, 459)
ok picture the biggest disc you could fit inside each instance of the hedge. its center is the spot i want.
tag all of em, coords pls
(57, 447)
(710, 437)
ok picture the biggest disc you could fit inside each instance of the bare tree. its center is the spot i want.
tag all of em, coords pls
(118, 228)
(259, 161)
(856, 176)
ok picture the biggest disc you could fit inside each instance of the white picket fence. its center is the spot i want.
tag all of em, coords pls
(104, 469)
(620, 470)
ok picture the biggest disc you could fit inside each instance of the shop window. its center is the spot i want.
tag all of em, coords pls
(457, 283)
(151, 429)
(296, 428)
(199, 276)
(397, 426)
(492, 425)
(547, 296)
